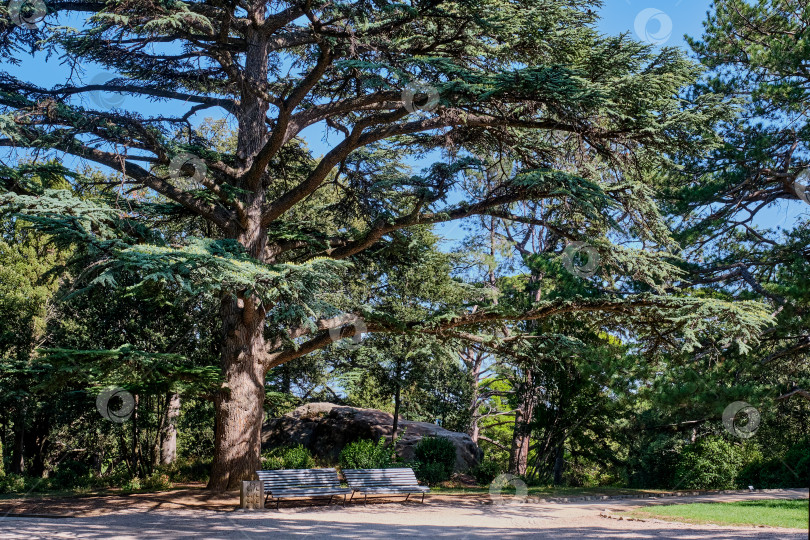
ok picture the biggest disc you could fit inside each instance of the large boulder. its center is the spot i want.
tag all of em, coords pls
(325, 428)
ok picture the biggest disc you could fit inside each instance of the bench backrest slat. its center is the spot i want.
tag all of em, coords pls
(380, 477)
(289, 478)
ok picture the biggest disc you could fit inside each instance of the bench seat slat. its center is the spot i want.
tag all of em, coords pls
(396, 489)
(384, 481)
(285, 493)
(293, 483)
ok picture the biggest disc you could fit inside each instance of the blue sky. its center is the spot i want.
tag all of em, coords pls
(662, 22)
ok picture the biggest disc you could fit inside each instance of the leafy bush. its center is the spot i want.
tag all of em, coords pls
(792, 470)
(366, 454)
(12, 483)
(436, 450)
(485, 472)
(431, 473)
(435, 459)
(288, 457)
(133, 484)
(188, 470)
(654, 462)
(71, 475)
(711, 463)
(156, 482)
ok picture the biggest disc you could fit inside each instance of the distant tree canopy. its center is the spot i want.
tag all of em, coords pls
(505, 109)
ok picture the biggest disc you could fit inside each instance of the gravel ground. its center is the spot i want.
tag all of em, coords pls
(442, 518)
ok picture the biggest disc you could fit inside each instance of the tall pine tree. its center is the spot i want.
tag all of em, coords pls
(434, 83)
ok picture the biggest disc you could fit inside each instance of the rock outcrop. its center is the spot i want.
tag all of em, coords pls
(325, 428)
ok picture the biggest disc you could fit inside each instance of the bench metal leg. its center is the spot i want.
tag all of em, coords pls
(365, 499)
(423, 498)
(352, 497)
(344, 500)
(408, 497)
(330, 500)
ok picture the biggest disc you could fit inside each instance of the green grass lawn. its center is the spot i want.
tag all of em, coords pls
(770, 512)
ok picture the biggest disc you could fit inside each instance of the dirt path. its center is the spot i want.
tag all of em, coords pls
(150, 516)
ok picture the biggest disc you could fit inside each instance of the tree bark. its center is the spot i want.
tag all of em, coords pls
(168, 436)
(521, 440)
(473, 359)
(240, 401)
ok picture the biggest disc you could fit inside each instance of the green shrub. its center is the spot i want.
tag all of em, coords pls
(485, 472)
(431, 473)
(288, 457)
(711, 463)
(156, 482)
(792, 470)
(366, 454)
(72, 475)
(435, 459)
(12, 483)
(188, 469)
(436, 450)
(133, 484)
(654, 461)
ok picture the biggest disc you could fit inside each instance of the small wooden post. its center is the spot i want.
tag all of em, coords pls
(251, 495)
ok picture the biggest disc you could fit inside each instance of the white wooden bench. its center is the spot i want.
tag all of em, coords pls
(297, 483)
(384, 482)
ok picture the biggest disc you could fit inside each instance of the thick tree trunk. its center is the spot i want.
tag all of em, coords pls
(240, 401)
(521, 440)
(519, 454)
(168, 436)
